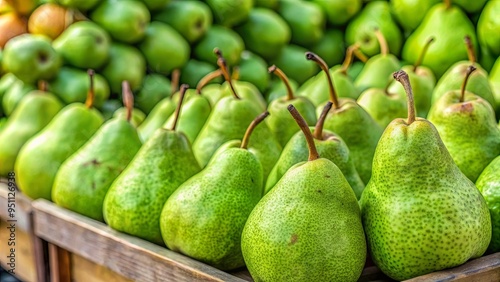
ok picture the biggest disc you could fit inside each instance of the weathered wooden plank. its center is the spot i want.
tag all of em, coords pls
(60, 265)
(22, 206)
(83, 270)
(126, 255)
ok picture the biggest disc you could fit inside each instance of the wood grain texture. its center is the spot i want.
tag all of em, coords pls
(26, 268)
(22, 207)
(60, 264)
(131, 257)
(83, 270)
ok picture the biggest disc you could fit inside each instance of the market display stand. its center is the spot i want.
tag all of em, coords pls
(16, 233)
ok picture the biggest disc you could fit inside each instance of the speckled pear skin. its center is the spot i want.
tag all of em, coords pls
(40, 158)
(359, 131)
(85, 177)
(265, 147)
(332, 148)
(227, 121)
(454, 77)
(156, 118)
(205, 216)
(420, 213)
(377, 72)
(282, 124)
(383, 107)
(468, 130)
(134, 201)
(489, 185)
(307, 228)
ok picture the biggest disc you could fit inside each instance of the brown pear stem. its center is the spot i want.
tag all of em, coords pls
(251, 127)
(422, 54)
(91, 94)
(313, 152)
(206, 79)
(174, 82)
(470, 49)
(386, 88)
(447, 3)
(402, 77)
(279, 73)
(42, 85)
(236, 73)
(333, 95)
(318, 129)
(221, 62)
(360, 55)
(384, 48)
(182, 92)
(348, 58)
(128, 99)
(470, 70)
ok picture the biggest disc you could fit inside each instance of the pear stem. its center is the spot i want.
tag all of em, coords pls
(348, 58)
(182, 93)
(317, 59)
(174, 82)
(470, 49)
(313, 152)
(128, 99)
(422, 54)
(360, 55)
(384, 48)
(386, 88)
(91, 94)
(318, 129)
(235, 75)
(42, 85)
(221, 62)
(470, 70)
(402, 77)
(251, 127)
(206, 79)
(447, 4)
(278, 72)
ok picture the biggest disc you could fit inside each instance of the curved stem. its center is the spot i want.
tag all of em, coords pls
(360, 55)
(174, 81)
(470, 70)
(313, 152)
(236, 73)
(250, 128)
(402, 77)
(470, 49)
(384, 48)
(183, 89)
(348, 58)
(91, 94)
(128, 99)
(333, 95)
(318, 129)
(386, 88)
(422, 54)
(447, 3)
(278, 72)
(206, 79)
(221, 62)
(42, 85)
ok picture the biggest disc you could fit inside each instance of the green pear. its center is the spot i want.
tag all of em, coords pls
(14, 94)
(468, 128)
(306, 21)
(378, 69)
(126, 20)
(488, 26)
(226, 190)
(328, 144)
(227, 40)
(230, 12)
(42, 155)
(164, 48)
(265, 33)
(471, 6)
(156, 5)
(418, 200)
(376, 14)
(244, 89)
(291, 60)
(81, 5)
(110, 107)
(489, 185)
(125, 63)
(83, 45)
(136, 118)
(448, 25)
(156, 118)
(30, 58)
(155, 87)
(6, 83)
(71, 85)
(135, 200)
(191, 19)
(84, 178)
(409, 13)
(312, 206)
(353, 124)
(278, 89)
(194, 70)
(280, 122)
(253, 69)
(331, 47)
(32, 114)
(355, 69)
(494, 79)
(339, 12)
(270, 4)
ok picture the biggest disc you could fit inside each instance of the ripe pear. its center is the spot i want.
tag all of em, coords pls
(6, 83)
(194, 70)
(471, 6)
(494, 79)
(126, 21)
(137, 116)
(409, 13)
(488, 26)
(230, 12)
(125, 63)
(420, 213)
(291, 61)
(306, 21)
(278, 89)
(229, 41)
(253, 69)
(339, 12)
(468, 128)
(134, 201)
(84, 178)
(11, 25)
(14, 94)
(51, 20)
(40, 158)
(155, 87)
(156, 118)
(311, 207)
(156, 5)
(32, 114)
(331, 47)
(226, 191)
(81, 5)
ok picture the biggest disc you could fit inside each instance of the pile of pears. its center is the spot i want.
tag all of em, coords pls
(299, 139)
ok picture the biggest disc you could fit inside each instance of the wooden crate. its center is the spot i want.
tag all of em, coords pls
(30, 251)
(82, 249)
